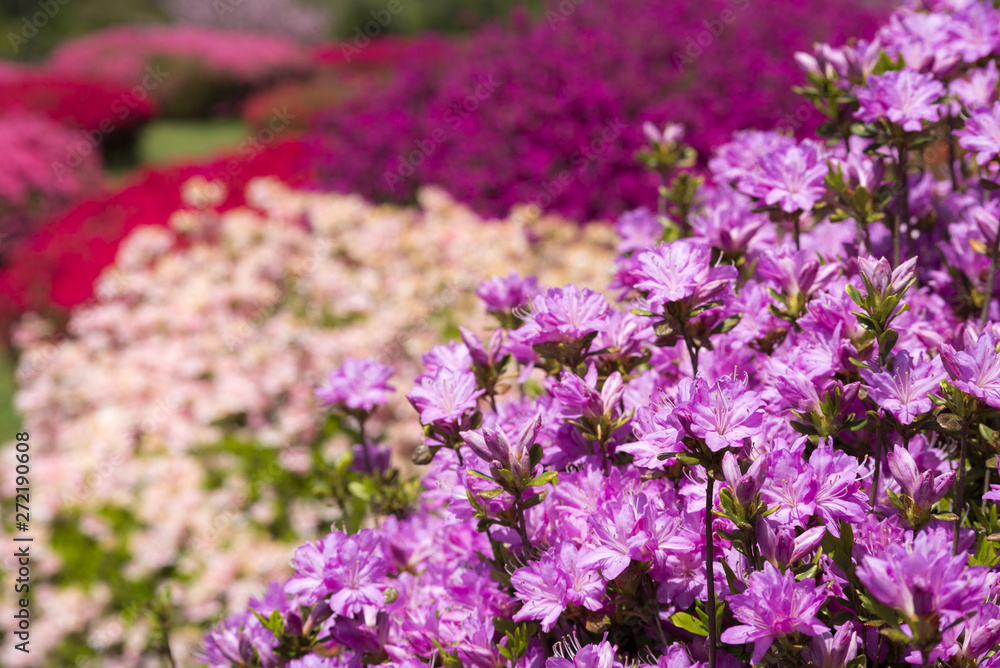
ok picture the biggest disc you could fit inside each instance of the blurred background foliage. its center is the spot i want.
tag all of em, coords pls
(66, 19)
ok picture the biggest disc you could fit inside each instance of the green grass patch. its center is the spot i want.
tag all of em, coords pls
(10, 420)
(164, 142)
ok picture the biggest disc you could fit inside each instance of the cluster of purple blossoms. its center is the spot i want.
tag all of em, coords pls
(982, 133)
(681, 271)
(358, 385)
(904, 97)
(774, 605)
(790, 178)
(776, 446)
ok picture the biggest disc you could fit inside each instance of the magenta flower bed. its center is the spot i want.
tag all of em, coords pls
(548, 111)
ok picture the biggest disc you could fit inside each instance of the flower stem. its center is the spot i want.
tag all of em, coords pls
(960, 489)
(692, 352)
(878, 462)
(990, 278)
(902, 207)
(364, 447)
(951, 158)
(522, 529)
(986, 488)
(709, 569)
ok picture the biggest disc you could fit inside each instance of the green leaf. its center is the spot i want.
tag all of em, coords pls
(688, 623)
(734, 582)
(727, 325)
(476, 505)
(275, 624)
(535, 454)
(950, 422)
(532, 501)
(896, 636)
(804, 428)
(866, 322)
(887, 341)
(544, 479)
(359, 489)
(448, 660)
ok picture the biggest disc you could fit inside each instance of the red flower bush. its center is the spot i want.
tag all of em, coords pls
(55, 269)
(114, 109)
(534, 134)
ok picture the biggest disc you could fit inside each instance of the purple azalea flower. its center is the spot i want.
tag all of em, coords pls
(925, 488)
(359, 384)
(884, 278)
(860, 169)
(346, 570)
(445, 397)
(982, 632)
(601, 655)
(904, 390)
(480, 355)
(976, 371)
(238, 641)
(782, 547)
(578, 397)
(493, 446)
(744, 486)
(792, 178)
(639, 230)
(728, 224)
(791, 486)
(835, 650)
(548, 585)
(658, 432)
(904, 97)
(792, 387)
(504, 294)
(452, 356)
(670, 134)
(924, 580)
(978, 88)
(796, 272)
(316, 661)
(658, 428)
(681, 271)
(982, 134)
(724, 414)
(839, 495)
(621, 538)
(746, 150)
(626, 332)
(774, 605)
(563, 314)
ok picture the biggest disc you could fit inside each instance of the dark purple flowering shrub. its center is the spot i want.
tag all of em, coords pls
(776, 447)
(549, 111)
